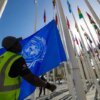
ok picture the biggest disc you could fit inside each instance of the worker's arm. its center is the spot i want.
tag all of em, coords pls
(36, 81)
(19, 67)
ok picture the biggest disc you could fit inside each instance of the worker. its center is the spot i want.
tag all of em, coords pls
(13, 67)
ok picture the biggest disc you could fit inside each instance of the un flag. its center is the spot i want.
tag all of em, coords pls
(42, 51)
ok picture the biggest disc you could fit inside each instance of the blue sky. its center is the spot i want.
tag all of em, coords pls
(18, 17)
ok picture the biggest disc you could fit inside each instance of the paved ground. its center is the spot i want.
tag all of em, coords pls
(61, 93)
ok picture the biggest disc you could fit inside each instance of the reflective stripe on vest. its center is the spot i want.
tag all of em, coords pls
(2, 77)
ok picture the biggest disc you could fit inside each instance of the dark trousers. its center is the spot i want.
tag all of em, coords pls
(40, 91)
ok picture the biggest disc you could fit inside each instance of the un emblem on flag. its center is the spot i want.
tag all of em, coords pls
(34, 50)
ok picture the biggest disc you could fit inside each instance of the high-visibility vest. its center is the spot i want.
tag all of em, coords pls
(9, 87)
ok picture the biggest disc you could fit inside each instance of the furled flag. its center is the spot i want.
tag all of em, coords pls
(86, 35)
(69, 6)
(76, 26)
(79, 13)
(44, 16)
(54, 3)
(77, 41)
(42, 51)
(68, 24)
(56, 19)
(92, 21)
(81, 44)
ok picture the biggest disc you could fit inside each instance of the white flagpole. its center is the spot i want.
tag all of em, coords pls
(90, 67)
(33, 96)
(80, 65)
(91, 36)
(36, 15)
(67, 67)
(98, 1)
(85, 51)
(76, 75)
(93, 12)
(2, 6)
(89, 31)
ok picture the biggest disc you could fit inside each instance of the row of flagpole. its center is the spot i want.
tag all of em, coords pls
(95, 81)
(72, 69)
(94, 78)
(75, 69)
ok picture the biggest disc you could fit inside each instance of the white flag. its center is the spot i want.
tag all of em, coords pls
(2, 6)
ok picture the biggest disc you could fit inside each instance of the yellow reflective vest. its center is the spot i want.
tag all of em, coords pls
(9, 87)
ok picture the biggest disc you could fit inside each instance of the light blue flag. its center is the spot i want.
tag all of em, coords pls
(42, 51)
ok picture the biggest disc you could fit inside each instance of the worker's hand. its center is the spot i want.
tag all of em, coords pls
(51, 87)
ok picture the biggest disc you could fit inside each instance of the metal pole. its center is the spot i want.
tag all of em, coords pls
(67, 66)
(98, 1)
(80, 65)
(76, 75)
(84, 49)
(36, 15)
(2, 6)
(89, 31)
(93, 12)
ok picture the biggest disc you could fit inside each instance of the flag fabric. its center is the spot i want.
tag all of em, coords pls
(44, 16)
(69, 6)
(2, 50)
(92, 11)
(76, 26)
(79, 13)
(54, 3)
(88, 37)
(92, 21)
(56, 19)
(42, 51)
(68, 24)
(81, 44)
(77, 41)
(82, 28)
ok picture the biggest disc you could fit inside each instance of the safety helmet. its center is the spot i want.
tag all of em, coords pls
(9, 41)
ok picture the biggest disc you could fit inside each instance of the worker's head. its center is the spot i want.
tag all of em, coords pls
(11, 43)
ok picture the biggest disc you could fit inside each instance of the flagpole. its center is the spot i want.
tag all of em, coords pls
(93, 12)
(67, 65)
(36, 15)
(91, 35)
(89, 31)
(92, 73)
(76, 75)
(80, 65)
(2, 6)
(85, 51)
(32, 96)
(98, 1)
(96, 67)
